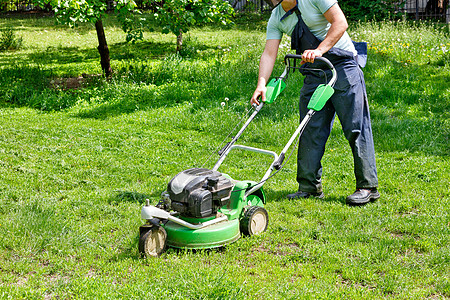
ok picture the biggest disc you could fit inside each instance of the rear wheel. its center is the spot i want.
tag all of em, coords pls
(255, 221)
(152, 242)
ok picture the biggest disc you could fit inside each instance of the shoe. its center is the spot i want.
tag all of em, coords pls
(304, 195)
(362, 196)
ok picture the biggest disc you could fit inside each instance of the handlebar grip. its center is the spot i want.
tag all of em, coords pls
(323, 59)
(296, 56)
(277, 165)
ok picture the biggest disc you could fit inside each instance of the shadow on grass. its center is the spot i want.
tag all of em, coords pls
(58, 56)
(121, 52)
(62, 55)
(133, 197)
(275, 196)
(142, 50)
(132, 252)
(106, 110)
(404, 113)
(398, 101)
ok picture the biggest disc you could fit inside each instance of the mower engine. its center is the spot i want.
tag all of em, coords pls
(199, 192)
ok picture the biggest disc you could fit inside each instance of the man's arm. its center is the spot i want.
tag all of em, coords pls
(339, 25)
(266, 64)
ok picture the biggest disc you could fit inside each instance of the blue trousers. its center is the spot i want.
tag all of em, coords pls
(349, 103)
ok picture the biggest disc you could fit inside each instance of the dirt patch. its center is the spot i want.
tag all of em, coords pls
(73, 83)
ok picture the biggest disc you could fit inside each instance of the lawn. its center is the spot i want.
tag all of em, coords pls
(76, 165)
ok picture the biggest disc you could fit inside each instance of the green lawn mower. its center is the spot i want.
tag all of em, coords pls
(204, 208)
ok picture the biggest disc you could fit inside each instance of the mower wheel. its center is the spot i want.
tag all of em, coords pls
(255, 220)
(152, 242)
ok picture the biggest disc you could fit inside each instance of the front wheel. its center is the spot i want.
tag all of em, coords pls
(255, 221)
(152, 242)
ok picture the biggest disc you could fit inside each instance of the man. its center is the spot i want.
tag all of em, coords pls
(318, 28)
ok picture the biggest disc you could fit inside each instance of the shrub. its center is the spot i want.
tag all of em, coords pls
(369, 9)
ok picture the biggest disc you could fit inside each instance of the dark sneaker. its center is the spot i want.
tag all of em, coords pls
(362, 196)
(305, 195)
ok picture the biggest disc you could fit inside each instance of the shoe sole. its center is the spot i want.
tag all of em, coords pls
(372, 197)
(310, 196)
(319, 196)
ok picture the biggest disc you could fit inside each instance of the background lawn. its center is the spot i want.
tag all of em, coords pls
(79, 155)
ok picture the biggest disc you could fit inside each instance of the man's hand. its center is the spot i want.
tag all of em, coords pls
(265, 69)
(259, 94)
(336, 18)
(310, 55)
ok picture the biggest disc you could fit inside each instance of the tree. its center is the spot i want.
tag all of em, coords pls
(177, 16)
(370, 9)
(72, 12)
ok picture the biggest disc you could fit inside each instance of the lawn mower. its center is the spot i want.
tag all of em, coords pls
(204, 208)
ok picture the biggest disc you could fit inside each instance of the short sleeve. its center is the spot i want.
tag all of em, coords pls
(273, 32)
(324, 5)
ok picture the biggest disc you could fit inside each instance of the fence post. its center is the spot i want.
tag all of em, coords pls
(417, 9)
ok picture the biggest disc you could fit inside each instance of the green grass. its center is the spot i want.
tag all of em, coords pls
(76, 166)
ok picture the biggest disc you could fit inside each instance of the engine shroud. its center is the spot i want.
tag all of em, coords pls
(199, 192)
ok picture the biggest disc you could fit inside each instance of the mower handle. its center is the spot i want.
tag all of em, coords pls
(278, 160)
(323, 59)
(296, 56)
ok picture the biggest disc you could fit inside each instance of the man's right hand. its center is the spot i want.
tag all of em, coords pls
(259, 94)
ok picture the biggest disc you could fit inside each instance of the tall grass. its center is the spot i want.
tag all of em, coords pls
(9, 40)
(77, 164)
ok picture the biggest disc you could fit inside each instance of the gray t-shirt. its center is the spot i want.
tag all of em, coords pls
(312, 14)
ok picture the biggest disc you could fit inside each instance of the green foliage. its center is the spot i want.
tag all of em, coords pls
(73, 12)
(369, 9)
(178, 16)
(444, 60)
(132, 24)
(9, 40)
(6, 5)
(181, 15)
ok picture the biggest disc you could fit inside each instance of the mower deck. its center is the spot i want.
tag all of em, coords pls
(213, 236)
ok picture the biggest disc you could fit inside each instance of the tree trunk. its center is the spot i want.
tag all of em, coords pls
(180, 41)
(103, 48)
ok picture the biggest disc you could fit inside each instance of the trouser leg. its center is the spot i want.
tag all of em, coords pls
(312, 141)
(352, 109)
(349, 102)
